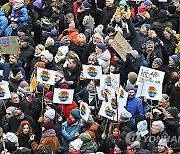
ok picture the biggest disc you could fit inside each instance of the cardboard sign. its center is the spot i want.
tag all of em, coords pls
(121, 46)
(150, 75)
(9, 45)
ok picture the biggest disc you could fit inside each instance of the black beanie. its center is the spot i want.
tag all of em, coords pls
(122, 145)
(20, 106)
(15, 71)
(171, 9)
(173, 111)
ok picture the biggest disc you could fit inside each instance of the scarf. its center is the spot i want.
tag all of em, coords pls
(22, 116)
(22, 92)
(48, 133)
(59, 58)
(71, 122)
(37, 55)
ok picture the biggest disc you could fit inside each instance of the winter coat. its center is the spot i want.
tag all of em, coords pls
(91, 147)
(45, 33)
(8, 67)
(175, 97)
(68, 133)
(104, 60)
(138, 39)
(143, 62)
(21, 14)
(3, 23)
(24, 141)
(135, 107)
(50, 66)
(13, 84)
(93, 131)
(11, 32)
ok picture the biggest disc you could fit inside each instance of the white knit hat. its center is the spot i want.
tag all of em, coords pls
(63, 49)
(76, 144)
(50, 114)
(134, 53)
(48, 56)
(11, 137)
(49, 42)
(163, 142)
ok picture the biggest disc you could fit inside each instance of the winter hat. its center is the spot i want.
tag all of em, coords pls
(54, 17)
(20, 106)
(135, 145)
(122, 3)
(142, 126)
(39, 64)
(48, 56)
(75, 113)
(53, 33)
(86, 4)
(45, 22)
(15, 71)
(122, 145)
(49, 125)
(165, 97)
(142, 9)
(158, 61)
(11, 137)
(99, 29)
(49, 42)
(101, 46)
(134, 53)
(125, 115)
(64, 42)
(50, 113)
(24, 122)
(85, 137)
(173, 111)
(163, 142)
(162, 14)
(175, 58)
(49, 95)
(129, 86)
(38, 4)
(63, 49)
(110, 29)
(23, 84)
(149, 42)
(25, 151)
(147, 3)
(132, 76)
(12, 109)
(22, 28)
(171, 9)
(76, 144)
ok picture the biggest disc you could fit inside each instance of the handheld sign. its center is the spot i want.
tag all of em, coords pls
(84, 111)
(92, 72)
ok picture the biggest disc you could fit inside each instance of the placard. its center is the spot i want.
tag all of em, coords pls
(9, 45)
(115, 81)
(92, 72)
(63, 96)
(4, 90)
(122, 96)
(84, 111)
(104, 92)
(121, 46)
(105, 81)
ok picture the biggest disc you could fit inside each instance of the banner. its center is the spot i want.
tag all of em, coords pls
(104, 93)
(121, 46)
(105, 81)
(4, 90)
(92, 72)
(9, 45)
(63, 96)
(45, 76)
(84, 111)
(150, 75)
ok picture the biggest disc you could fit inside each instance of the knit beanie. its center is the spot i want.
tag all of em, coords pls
(48, 56)
(24, 122)
(158, 61)
(122, 3)
(129, 86)
(149, 42)
(50, 113)
(63, 49)
(49, 125)
(175, 58)
(125, 115)
(75, 113)
(12, 109)
(49, 42)
(147, 2)
(15, 71)
(142, 126)
(20, 106)
(86, 4)
(23, 84)
(171, 9)
(101, 46)
(122, 145)
(49, 95)
(38, 3)
(132, 76)
(85, 137)
(110, 29)
(64, 42)
(163, 142)
(173, 111)
(22, 28)
(39, 64)
(134, 53)
(162, 14)
(11, 137)
(76, 144)
(142, 9)
(165, 97)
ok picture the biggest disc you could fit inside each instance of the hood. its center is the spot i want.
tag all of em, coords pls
(18, 64)
(104, 56)
(1, 12)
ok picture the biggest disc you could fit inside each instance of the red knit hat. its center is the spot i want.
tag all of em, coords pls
(48, 125)
(24, 122)
(142, 9)
(49, 95)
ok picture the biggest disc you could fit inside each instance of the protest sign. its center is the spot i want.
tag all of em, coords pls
(9, 45)
(122, 96)
(121, 46)
(84, 111)
(115, 81)
(4, 91)
(45, 76)
(150, 75)
(105, 81)
(91, 22)
(92, 72)
(104, 92)
(63, 96)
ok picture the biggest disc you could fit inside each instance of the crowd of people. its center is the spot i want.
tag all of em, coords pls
(63, 35)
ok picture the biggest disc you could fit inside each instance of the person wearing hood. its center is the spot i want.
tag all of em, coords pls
(134, 104)
(3, 23)
(19, 12)
(14, 62)
(162, 146)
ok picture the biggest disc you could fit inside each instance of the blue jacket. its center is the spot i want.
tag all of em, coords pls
(3, 23)
(21, 14)
(68, 133)
(143, 62)
(8, 67)
(133, 105)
